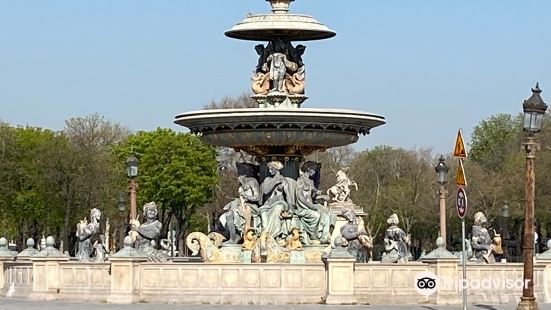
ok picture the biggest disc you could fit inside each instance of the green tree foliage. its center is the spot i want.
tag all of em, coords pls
(494, 138)
(25, 199)
(496, 173)
(177, 171)
(49, 179)
(395, 180)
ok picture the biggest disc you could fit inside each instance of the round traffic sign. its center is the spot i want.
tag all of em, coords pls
(461, 202)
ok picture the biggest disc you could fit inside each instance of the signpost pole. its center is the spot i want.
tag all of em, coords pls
(461, 205)
(464, 263)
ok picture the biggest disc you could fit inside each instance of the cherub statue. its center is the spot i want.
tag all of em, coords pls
(249, 240)
(293, 242)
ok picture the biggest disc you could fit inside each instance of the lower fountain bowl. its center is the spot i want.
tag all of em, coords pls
(291, 131)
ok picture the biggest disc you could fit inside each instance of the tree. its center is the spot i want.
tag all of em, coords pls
(28, 205)
(177, 171)
(494, 138)
(243, 101)
(82, 170)
(395, 180)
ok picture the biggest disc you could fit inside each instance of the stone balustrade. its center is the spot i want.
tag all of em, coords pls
(338, 281)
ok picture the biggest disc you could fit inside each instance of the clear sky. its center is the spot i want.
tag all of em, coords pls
(429, 67)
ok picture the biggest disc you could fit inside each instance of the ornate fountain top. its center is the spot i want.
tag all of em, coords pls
(280, 24)
(279, 126)
(280, 6)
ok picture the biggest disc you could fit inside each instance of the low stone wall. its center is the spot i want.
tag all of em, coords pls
(233, 283)
(377, 283)
(86, 281)
(338, 281)
(506, 278)
(18, 279)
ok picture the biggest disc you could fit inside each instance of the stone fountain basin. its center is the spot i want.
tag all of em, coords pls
(258, 130)
(294, 27)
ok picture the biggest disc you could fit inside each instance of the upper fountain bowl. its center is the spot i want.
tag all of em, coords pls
(261, 131)
(290, 27)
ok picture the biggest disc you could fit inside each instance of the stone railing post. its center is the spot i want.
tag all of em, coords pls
(125, 274)
(340, 278)
(46, 277)
(444, 265)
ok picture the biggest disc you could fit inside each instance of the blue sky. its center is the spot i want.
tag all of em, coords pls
(429, 67)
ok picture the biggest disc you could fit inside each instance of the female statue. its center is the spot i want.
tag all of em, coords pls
(238, 218)
(316, 220)
(278, 202)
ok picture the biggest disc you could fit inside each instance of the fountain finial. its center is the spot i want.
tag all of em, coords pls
(280, 6)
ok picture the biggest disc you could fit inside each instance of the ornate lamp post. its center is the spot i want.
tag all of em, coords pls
(121, 207)
(534, 109)
(132, 172)
(442, 179)
(505, 230)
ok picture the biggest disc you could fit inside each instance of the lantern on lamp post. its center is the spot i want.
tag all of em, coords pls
(132, 172)
(534, 109)
(442, 179)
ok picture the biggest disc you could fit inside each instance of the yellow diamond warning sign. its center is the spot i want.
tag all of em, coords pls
(460, 179)
(459, 150)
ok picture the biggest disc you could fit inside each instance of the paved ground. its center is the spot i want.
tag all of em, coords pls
(19, 304)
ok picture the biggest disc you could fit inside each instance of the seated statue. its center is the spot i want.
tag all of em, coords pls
(240, 211)
(278, 199)
(355, 237)
(315, 219)
(481, 241)
(88, 235)
(145, 234)
(396, 242)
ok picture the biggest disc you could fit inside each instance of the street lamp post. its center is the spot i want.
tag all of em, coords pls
(122, 208)
(442, 179)
(505, 231)
(132, 172)
(534, 109)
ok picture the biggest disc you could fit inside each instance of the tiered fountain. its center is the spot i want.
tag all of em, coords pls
(279, 129)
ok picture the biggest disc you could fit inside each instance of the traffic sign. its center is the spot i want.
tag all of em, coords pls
(459, 150)
(460, 179)
(461, 202)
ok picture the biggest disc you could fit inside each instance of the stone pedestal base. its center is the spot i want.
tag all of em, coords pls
(310, 254)
(297, 257)
(125, 279)
(46, 281)
(340, 269)
(123, 299)
(246, 257)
